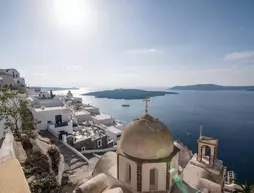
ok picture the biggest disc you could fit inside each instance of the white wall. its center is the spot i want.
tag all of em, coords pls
(83, 117)
(123, 171)
(46, 116)
(113, 135)
(51, 102)
(32, 91)
(20, 81)
(174, 164)
(67, 128)
(92, 110)
(2, 128)
(108, 121)
(162, 170)
(44, 95)
(13, 71)
(8, 80)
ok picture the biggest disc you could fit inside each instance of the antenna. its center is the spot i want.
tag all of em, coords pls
(200, 134)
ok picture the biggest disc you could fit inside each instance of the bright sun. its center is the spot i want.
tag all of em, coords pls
(71, 12)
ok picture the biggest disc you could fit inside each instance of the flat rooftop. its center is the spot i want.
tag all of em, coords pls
(208, 140)
(78, 113)
(114, 130)
(90, 107)
(102, 117)
(59, 108)
(88, 132)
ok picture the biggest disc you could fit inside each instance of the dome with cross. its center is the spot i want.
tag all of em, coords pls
(146, 138)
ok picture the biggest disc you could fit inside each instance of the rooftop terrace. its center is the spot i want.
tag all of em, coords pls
(50, 108)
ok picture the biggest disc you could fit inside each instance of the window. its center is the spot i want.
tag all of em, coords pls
(83, 148)
(118, 136)
(128, 173)
(58, 119)
(153, 179)
(99, 143)
(18, 81)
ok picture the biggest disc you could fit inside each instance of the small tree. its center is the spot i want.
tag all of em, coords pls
(16, 113)
(245, 188)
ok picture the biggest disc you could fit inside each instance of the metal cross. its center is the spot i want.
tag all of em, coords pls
(146, 101)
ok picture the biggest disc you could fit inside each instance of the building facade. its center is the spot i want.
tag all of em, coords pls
(11, 78)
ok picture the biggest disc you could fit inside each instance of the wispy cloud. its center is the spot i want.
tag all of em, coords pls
(239, 55)
(73, 67)
(143, 51)
(213, 70)
(249, 61)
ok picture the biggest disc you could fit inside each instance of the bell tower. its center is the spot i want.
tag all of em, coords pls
(207, 149)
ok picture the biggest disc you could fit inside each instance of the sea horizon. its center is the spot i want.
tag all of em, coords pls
(226, 115)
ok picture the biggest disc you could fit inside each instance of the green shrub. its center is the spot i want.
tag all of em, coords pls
(54, 155)
(52, 141)
(37, 163)
(26, 142)
(46, 183)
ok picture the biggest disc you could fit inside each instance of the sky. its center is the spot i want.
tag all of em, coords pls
(128, 43)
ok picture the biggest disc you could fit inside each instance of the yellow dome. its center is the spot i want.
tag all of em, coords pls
(146, 138)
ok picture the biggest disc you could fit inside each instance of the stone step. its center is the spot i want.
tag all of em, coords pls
(78, 165)
(75, 160)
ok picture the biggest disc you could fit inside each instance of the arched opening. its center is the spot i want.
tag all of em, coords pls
(153, 174)
(128, 173)
(206, 153)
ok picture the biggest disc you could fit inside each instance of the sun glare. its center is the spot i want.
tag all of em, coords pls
(72, 12)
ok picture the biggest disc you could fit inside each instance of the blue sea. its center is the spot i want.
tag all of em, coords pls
(226, 115)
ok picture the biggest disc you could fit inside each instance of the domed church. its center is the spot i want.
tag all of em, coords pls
(145, 154)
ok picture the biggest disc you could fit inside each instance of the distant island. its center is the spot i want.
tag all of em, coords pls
(54, 88)
(212, 87)
(128, 94)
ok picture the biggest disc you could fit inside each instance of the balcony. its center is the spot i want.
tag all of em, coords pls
(62, 124)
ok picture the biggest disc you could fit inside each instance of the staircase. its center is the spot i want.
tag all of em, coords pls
(72, 161)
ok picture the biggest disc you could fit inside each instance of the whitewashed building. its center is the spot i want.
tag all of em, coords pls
(113, 133)
(82, 116)
(59, 116)
(91, 109)
(11, 77)
(34, 91)
(7, 80)
(103, 119)
(11, 71)
(1, 81)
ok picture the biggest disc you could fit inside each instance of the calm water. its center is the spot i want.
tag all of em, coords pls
(226, 115)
